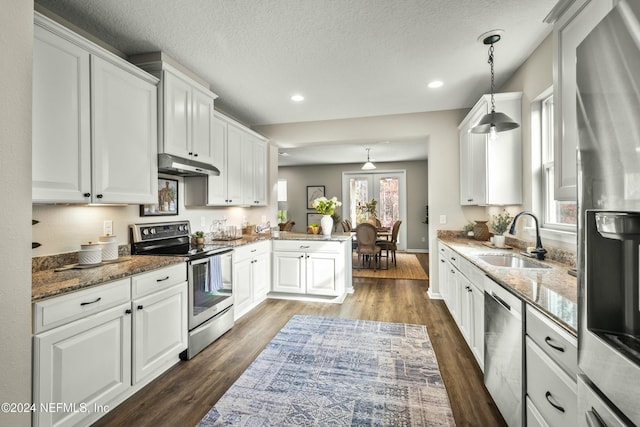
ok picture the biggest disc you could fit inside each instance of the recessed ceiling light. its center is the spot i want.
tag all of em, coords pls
(435, 84)
(297, 98)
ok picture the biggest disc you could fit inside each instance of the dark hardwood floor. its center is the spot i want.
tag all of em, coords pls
(185, 393)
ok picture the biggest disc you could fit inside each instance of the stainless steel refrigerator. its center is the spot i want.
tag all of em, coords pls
(608, 102)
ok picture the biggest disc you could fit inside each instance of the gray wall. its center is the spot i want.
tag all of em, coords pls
(16, 43)
(299, 177)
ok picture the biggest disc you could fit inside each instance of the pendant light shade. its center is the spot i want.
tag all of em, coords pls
(368, 165)
(493, 121)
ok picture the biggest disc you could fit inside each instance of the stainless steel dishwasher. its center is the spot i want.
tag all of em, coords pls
(503, 351)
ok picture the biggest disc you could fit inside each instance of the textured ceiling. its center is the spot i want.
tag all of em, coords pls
(349, 58)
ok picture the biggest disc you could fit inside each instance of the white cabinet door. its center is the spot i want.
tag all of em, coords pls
(261, 274)
(248, 174)
(124, 136)
(61, 151)
(202, 126)
(235, 167)
(289, 272)
(322, 273)
(473, 180)
(568, 32)
(84, 362)
(217, 185)
(491, 170)
(477, 324)
(259, 172)
(453, 295)
(464, 317)
(242, 286)
(176, 117)
(159, 330)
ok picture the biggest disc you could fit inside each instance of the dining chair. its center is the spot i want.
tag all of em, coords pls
(390, 245)
(288, 226)
(346, 226)
(367, 247)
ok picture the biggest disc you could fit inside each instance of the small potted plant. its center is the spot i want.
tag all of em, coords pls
(199, 235)
(467, 229)
(313, 228)
(499, 224)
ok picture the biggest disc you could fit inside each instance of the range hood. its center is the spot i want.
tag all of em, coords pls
(174, 165)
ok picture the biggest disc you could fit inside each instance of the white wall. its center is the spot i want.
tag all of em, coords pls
(439, 129)
(16, 43)
(299, 177)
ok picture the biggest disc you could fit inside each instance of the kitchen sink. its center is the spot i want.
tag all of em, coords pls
(510, 261)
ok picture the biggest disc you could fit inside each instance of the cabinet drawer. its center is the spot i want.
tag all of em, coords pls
(306, 246)
(554, 341)
(64, 309)
(252, 249)
(551, 390)
(534, 418)
(473, 273)
(591, 405)
(146, 283)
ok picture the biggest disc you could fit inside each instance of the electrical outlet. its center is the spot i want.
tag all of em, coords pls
(108, 226)
(443, 219)
(203, 221)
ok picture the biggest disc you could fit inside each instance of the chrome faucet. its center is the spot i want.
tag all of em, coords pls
(540, 251)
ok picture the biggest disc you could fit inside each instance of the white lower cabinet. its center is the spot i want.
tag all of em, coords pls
(251, 274)
(83, 364)
(309, 268)
(551, 369)
(462, 288)
(159, 330)
(94, 348)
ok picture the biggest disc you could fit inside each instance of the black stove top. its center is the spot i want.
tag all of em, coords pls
(170, 238)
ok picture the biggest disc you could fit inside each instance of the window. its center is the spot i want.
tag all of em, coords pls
(560, 215)
(282, 200)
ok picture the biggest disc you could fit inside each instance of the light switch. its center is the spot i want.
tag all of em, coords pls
(443, 219)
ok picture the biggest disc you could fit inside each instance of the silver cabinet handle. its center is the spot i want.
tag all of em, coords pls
(304, 247)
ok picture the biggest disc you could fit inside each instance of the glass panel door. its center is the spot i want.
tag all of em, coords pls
(388, 188)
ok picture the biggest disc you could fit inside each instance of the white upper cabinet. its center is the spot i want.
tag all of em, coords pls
(61, 157)
(491, 170)
(187, 119)
(94, 122)
(124, 134)
(569, 30)
(241, 156)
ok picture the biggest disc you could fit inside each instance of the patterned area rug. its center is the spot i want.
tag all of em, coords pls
(408, 267)
(320, 371)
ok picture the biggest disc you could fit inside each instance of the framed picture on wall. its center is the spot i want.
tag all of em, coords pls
(167, 200)
(313, 192)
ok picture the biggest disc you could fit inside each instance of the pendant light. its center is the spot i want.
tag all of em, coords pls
(368, 165)
(493, 121)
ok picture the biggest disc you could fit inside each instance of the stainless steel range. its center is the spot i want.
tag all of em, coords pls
(209, 276)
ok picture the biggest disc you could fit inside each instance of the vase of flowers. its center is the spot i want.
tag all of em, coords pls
(369, 210)
(499, 224)
(326, 207)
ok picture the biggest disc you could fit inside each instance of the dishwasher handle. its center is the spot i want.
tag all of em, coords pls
(500, 300)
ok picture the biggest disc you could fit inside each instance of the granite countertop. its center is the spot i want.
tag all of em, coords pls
(50, 283)
(552, 290)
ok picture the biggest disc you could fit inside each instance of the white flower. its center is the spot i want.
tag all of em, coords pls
(326, 206)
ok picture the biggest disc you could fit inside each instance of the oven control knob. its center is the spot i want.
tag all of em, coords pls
(153, 231)
(145, 231)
